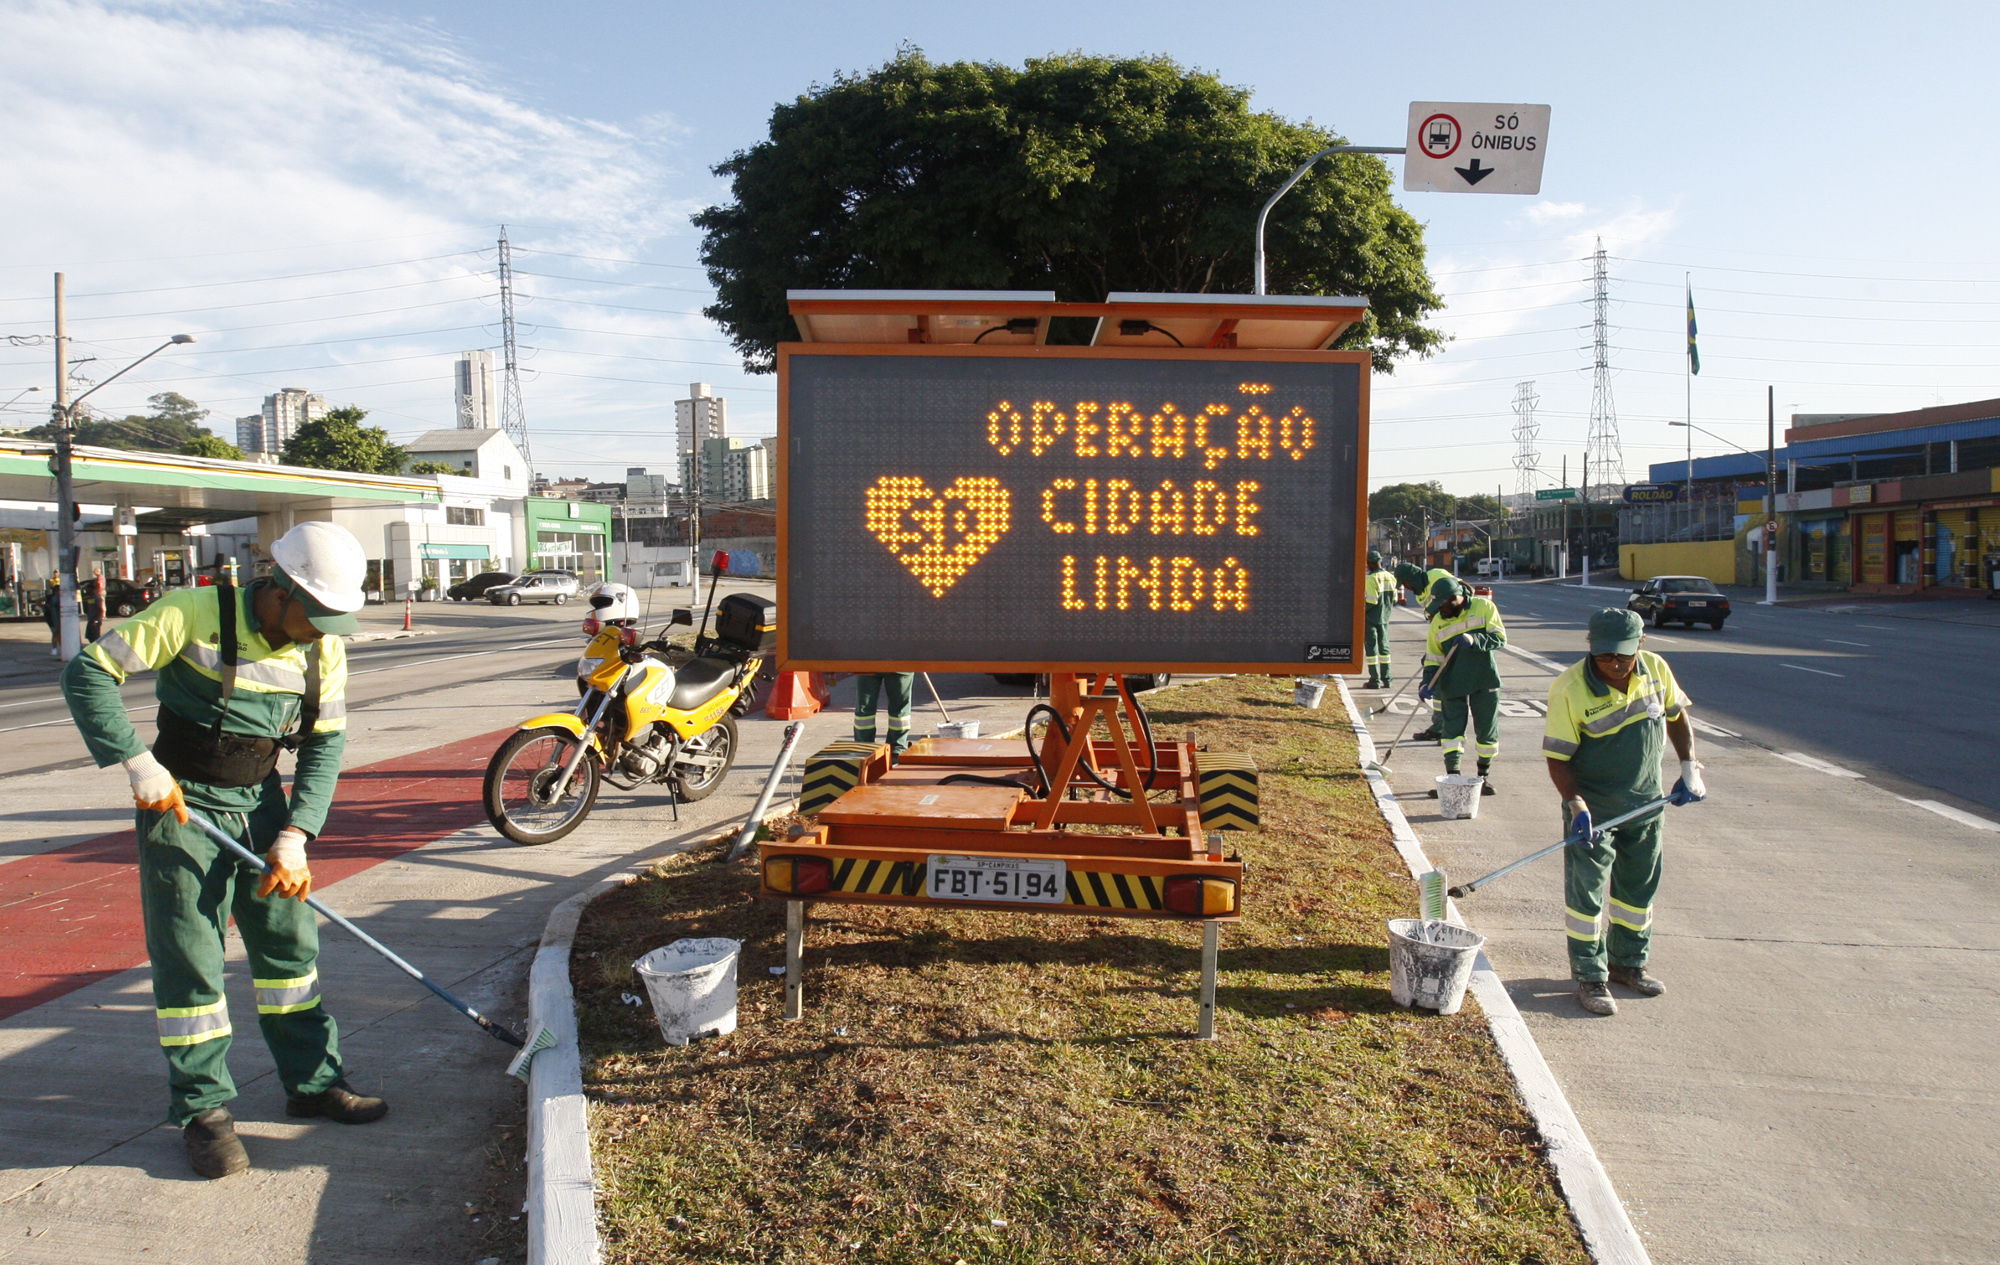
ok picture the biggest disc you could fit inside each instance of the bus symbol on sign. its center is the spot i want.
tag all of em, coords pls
(1439, 136)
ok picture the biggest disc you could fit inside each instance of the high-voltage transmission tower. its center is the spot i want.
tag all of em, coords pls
(513, 419)
(1603, 455)
(1527, 457)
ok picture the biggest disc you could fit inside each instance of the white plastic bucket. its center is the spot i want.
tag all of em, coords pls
(1430, 963)
(1308, 693)
(1458, 794)
(692, 984)
(958, 729)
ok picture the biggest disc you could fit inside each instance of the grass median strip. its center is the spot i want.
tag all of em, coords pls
(997, 1087)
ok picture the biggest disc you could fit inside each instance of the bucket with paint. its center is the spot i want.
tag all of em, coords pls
(958, 729)
(692, 984)
(1308, 693)
(1430, 963)
(1458, 794)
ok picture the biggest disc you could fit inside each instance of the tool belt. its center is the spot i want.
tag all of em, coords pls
(212, 757)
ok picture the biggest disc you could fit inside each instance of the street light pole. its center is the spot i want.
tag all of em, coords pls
(68, 642)
(1257, 256)
(1770, 496)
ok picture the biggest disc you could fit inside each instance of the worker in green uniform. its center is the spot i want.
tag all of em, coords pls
(1421, 583)
(891, 691)
(1467, 631)
(1379, 589)
(1606, 716)
(243, 673)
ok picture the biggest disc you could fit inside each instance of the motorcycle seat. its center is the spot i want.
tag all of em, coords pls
(699, 680)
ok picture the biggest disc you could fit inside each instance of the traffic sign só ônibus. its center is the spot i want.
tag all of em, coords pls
(997, 508)
(1463, 147)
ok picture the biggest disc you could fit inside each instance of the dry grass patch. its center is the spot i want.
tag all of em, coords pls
(993, 1087)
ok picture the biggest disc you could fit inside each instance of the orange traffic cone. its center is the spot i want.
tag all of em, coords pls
(796, 695)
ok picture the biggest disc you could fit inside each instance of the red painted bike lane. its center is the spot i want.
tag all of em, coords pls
(70, 916)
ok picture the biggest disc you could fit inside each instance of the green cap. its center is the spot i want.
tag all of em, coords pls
(1442, 592)
(323, 617)
(1374, 557)
(1410, 575)
(1613, 631)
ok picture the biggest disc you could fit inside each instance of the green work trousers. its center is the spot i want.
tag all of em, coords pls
(1629, 857)
(1484, 709)
(189, 890)
(893, 691)
(1375, 650)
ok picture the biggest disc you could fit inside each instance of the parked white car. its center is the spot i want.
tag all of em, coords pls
(535, 586)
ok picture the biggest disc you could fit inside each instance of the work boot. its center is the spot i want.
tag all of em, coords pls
(339, 1102)
(1636, 979)
(1595, 996)
(213, 1149)
(1486, 787)
(1428, 735)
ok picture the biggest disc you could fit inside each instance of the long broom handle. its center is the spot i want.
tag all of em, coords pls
(935, 697)
(1383, 761)
(1467, 889)
(493, 1029)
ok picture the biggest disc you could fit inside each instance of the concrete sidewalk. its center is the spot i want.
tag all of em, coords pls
(90, 1175)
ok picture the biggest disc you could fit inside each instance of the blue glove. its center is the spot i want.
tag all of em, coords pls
(1424, 693)
(1581, 836)
(1689, 788)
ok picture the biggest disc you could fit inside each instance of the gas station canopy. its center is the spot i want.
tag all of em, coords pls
(1300, 322)
(182, 491)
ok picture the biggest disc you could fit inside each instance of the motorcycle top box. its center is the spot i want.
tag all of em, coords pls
(747, 621)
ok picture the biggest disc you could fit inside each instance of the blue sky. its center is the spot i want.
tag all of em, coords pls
(311, 189)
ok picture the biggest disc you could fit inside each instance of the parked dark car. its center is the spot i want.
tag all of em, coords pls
(468, 590)
(128, 597)
(1687, 599)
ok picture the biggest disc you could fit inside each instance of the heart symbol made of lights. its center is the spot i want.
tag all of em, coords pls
(938, 535)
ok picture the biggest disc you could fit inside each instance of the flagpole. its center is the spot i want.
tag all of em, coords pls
(1687, 377)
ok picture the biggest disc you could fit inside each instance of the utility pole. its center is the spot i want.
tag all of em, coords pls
(1770, 496)
(69, 634)
(513, 416)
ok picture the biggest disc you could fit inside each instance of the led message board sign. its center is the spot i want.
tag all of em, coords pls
(1054, 508)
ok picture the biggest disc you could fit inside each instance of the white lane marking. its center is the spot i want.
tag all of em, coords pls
(1716, 731)
(1958, 815)
(1838, 642)
(1877, 627)
(1796, 668)
(33, 701)
(43, 724)
(1534, 658)
(1817, 764)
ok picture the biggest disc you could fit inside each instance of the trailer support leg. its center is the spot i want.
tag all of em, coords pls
(1210, 936)
(795, 943)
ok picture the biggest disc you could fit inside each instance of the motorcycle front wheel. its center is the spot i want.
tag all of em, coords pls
(720, 743)
(520, 779)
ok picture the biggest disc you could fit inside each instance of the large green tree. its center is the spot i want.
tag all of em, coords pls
(339, 441)
(211, 446)
(1077, 174)
(174, 422)
(1416, 504)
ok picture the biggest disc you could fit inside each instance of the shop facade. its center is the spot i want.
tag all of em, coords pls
(566, 535)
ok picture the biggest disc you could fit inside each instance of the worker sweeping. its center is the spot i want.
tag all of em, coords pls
(1606, 715)
(1380, 589)
(1469, 631)
(890, 692)
(1420, 583)
(243, 674)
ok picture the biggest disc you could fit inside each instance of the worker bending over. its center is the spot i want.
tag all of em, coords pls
(1606, 716)
(243, 673)
(1461, 671)
(1380, 590)
(1421, 584)
(891, 691)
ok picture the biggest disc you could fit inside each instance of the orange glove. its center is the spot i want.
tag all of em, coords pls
(154, 788)
(288, 875)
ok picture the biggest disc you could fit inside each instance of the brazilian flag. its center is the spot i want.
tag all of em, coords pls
(1694, 353)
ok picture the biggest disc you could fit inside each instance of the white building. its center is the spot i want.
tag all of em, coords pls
(486, 455)
(749, 474)
(701, 417)
(475, 404)
(645, 489)
(284, 412)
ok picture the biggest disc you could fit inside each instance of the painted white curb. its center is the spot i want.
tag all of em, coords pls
(1607, 1231)
(562, 1197)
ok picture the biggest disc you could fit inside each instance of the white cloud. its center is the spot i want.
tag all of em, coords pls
(1553, 212)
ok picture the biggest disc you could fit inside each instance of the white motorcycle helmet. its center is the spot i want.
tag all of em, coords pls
(614, 603)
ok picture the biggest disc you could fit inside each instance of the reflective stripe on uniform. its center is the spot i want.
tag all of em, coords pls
(1580, 926)
(121, 653)
(209, 660)
(283, 996)
(335, 710)
(191, 1025)
(1471, 622)
(1612, 722)
(1557, 747)
(1487, 750)
(1452, 746)
(1631, 916)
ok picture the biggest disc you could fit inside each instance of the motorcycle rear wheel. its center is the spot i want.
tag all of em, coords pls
(721, 740)
(517, 781)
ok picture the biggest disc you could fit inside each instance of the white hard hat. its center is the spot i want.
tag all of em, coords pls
(326, 561)
(611, 600)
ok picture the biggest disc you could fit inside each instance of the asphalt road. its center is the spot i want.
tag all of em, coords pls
(1818, 1083)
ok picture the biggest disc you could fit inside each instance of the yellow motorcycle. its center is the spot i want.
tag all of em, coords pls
(640, 722)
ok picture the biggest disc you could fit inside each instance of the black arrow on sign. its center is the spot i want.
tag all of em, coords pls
(1475, 173)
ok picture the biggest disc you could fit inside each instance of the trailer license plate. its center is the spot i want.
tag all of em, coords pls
(998, 878)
